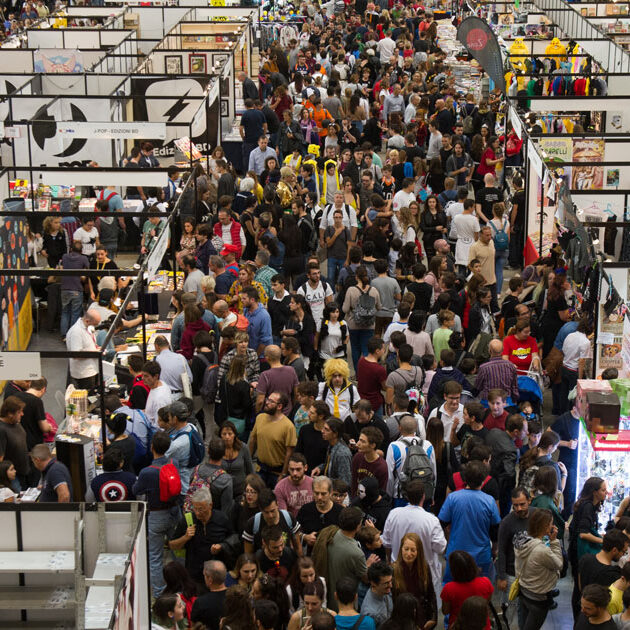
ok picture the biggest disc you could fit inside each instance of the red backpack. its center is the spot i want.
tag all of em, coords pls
(170, 481)
(460, 484)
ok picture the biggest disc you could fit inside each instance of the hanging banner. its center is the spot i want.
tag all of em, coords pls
(534, 158)
(477, 36)
(110, 130)
(516, 123)
(589, 177)
(20, 365)
(559, 151)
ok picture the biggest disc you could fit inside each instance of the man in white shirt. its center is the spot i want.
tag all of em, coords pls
(349, 218)
(397, 454)
(451, 413)
(405, 196)
(318, 293)
(410, 110)
(386, 48)
(258, 156)
(414, 518)
(173, 366)
(80, 338)
(402, 324)
(454, 209)
(159, 393)
(576, 350)
(466, 226)
(226, 228)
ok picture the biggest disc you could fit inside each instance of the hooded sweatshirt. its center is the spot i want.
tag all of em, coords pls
(187, 347)
(538, 565)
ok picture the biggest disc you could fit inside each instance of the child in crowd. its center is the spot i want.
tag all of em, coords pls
(340, 490)
(306, 394)
(446, 318)
(527, 411)
(392, 259)
(429, 365)
(370, 539)
(474, 267)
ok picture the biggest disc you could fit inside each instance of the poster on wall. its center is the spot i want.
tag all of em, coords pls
(186, 98)
(49, 147)
(612, 323)
(559, 151)
(589, 177)
(15, 301)
(57, 61)
(610, 355)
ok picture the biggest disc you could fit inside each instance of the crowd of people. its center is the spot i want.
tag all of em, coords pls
(336, 434)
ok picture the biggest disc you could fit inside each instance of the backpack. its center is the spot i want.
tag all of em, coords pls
(526, 479)
(170, 481)
(208, 389)
(408, 169)
(365, 309)
(197, 450)
(417, 466)
(313, 239)
(469, 123)
(500, 238)
(142, 449)
(197, 482)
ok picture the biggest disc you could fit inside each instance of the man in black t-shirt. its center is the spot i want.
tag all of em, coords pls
(319, 513)
(517, 224)
(486, 198)
(34, 418)
(275, 558)
(208, 608)
(599, 568)
(135, 192)
(13, 439)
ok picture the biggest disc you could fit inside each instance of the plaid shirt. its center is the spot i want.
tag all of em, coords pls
(264, 275)
(497, 373)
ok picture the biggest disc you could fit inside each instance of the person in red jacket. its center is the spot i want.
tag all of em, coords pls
(193, 324)
(227, 229)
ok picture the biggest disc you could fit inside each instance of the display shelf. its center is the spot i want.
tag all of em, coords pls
(99, 600)
(36, 561)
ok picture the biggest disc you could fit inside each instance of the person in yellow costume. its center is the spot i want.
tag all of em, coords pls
(556, 47)
(337, 390)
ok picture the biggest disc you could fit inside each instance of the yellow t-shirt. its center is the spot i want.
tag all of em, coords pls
(616, 604)
(273, 437)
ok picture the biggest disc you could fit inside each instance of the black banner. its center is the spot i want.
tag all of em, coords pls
(479, 40)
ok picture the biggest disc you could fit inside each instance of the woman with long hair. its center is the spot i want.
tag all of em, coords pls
(179, 582)
(360, 333)
(412, 575)
(271, 165)
(406, 261)
(437, 264)
(330, 341)
(8, 475)
(350, 195)
(303, 573)
(356, 112)
(267, 587)
(416, 336)
(187, 242)
(301, 326)
(281, 101)
(245, 279)
(445, 462)
(584, 535)
(404, 614)
(546, 489)
(433, 223)
(238, 613)
(466, 583)
(54, 241)
(405, 225)
(436, 176)
(537, 561)
(168, 611)
(193, 323)
(245, 572)
(314, 596)
(248, 506)
(294, 249)
(308, 126)
(237, 461)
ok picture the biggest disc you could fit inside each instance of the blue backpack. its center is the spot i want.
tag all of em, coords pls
(500, 238)
(197, 450)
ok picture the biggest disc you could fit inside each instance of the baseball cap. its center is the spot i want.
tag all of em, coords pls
(228, 248)
(178, 409)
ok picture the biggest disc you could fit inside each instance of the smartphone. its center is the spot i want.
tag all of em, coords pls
(189, 519)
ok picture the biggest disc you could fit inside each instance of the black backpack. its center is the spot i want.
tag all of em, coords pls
(313, 239)
(364, 313)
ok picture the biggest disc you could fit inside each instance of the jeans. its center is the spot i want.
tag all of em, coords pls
(500, 258)
(569, 381)
(532, 613)
(160, 524)
(334, 267)
(358, 344)
(71, 309)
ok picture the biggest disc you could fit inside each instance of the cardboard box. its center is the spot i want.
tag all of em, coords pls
(602, 412)
(589, 385)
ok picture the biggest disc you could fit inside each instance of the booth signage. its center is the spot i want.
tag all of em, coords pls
(111, 130)
(516, 123)
(157, 253)
(20, 365)
(534, 158)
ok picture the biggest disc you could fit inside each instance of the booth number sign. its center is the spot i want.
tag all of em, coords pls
(218, 3)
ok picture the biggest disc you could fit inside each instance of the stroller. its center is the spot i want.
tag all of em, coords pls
(530, 388)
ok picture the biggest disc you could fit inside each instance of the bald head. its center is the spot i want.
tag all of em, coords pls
(220, 308)
(488, 180)
(496, 348)
(92, 317)
(272, 354)
(439, 104)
